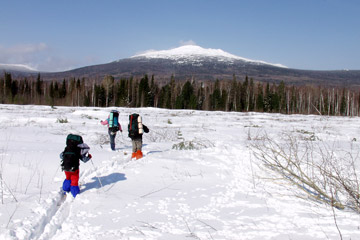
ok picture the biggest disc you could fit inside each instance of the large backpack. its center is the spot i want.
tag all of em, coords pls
(114, 121)
(135, 126)
(71, 154)
(73, 140)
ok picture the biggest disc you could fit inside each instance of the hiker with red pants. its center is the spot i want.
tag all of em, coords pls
(74, 151)
(136, 129)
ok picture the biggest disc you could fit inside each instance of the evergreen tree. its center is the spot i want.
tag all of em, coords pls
(144, 92)
(154, 91)
(188, 96)
(275, 100)
(251, 95)
(87, 99)
(52, 93)
(223, 100)
(281, 91)
(62, 90)
(267, 98)
(121, 93)
(14, 89)
(244, 93)
(172, 92)
(260, 98)
(39, 84)
(216, 97)
(293, 101)
(56, 90)
(8, 81)
(100, 96)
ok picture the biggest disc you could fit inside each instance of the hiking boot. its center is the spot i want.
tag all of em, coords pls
(139, 154)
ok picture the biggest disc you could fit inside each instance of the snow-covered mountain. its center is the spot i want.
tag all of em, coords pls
(194, 54)
(200, 64)
(17, 67)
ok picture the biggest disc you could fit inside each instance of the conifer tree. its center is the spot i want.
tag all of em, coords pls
(260, 98)
(38, 84)
(144, 92)
(62, 90)
(282, 97)
(251, 98)
(52, 93)
(14, 89)
(216, 96)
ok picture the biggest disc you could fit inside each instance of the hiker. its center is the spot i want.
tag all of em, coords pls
(113, 123)
(136, 129)
(74, 151)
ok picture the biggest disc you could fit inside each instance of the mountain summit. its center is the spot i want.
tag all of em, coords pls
(196, 54)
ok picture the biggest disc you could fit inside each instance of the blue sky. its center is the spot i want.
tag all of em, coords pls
(61, 35)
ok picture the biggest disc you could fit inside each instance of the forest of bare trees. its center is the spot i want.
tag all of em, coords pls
(241, 95)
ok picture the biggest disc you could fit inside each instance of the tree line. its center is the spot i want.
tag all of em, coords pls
(241, 95)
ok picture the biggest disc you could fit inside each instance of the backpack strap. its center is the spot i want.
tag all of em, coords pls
(131, 118)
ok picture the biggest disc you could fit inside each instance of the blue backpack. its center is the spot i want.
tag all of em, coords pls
(114, 121)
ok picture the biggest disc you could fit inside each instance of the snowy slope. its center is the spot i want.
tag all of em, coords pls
(217, 191)
(193, 53)
(16, 67)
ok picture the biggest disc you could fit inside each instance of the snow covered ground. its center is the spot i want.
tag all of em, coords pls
(216, 191)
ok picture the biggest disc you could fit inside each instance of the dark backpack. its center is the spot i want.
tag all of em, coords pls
(114, 121)
(71, 154)
(135, 126)
(73, 139)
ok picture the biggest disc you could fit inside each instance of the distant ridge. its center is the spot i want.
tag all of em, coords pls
(201, 64)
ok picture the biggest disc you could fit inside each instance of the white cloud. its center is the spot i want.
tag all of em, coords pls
(181, 43)
(27, 48)
(188, 42)
(26, 54)
(41, 57)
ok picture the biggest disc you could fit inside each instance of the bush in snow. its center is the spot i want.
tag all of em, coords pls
(195, 144)
(62, 120)
(323, 173)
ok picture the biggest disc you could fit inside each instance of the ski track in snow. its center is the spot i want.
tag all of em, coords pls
(60, 210)
(216, 192)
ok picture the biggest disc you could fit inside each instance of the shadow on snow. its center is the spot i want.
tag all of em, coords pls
(105, 180)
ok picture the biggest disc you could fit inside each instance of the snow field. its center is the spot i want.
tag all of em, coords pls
(218, 190)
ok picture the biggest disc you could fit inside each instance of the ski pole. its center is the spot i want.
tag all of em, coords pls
(96, 174)
(122, 137)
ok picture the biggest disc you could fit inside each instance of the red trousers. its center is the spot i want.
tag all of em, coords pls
(73, 177)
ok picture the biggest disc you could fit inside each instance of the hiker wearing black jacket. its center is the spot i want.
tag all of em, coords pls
(136, 129)
(74, 151)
